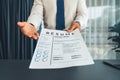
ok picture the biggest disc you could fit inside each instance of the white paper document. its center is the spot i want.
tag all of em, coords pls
(60, 49)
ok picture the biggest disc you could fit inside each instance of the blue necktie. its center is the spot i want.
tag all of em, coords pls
(60, 21)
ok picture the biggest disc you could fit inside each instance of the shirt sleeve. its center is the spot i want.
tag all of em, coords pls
(82, 14)
(36, 15)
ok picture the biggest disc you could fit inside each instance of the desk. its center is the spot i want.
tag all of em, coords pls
(18, 70)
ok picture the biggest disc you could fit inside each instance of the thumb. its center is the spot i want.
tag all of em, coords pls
(21, 24)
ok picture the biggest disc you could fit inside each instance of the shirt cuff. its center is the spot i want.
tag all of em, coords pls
(35, 21)
(82, 24)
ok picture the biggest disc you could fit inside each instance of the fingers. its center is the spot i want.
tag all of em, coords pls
(79, 29)
(73, 27)
(35, 35)
(21, 24)
(28, 30)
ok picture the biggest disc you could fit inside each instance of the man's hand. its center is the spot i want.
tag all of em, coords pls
(74, 26)
(28, 30)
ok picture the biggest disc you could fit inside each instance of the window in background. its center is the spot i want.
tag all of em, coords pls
(102, 15)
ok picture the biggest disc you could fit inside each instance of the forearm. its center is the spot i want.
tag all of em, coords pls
(36, 15)
(82, 14)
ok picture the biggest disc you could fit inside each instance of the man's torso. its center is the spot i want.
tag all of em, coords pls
(50, 10)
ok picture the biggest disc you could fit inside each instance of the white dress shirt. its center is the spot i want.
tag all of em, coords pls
(45, 10)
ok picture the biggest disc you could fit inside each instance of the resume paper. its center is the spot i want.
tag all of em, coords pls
(60, 49)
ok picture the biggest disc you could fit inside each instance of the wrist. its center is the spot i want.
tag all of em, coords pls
(32, 24)
(77, 22)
